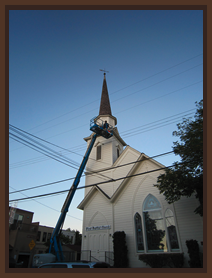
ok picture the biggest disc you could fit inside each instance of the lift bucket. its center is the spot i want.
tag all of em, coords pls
(97, 126)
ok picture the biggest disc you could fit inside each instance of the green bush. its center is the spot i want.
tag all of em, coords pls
(120, 250)
(175, 260)
(193, 251)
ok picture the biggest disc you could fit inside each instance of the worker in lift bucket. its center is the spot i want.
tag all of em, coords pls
(106, 125)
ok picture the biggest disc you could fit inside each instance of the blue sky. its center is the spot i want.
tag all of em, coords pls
(155, 64)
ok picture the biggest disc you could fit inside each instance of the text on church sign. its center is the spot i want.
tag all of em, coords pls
(94, 228)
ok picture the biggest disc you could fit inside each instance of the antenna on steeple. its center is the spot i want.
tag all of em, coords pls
(104, 71)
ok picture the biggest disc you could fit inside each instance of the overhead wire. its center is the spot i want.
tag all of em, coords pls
(124, 88)
(161, 81)
(21, 131)
(94, 184)
(102, 170)
(150, 126)
(132, 85)
(129, 108)
(132, 107)
(55, 154)
(158, 82)
(36, 148)
(130, 132)
(97, 171)
(50, 207)
(125, 97)
(50, 156)
(158, 73)
(93, 172)
(124, 135)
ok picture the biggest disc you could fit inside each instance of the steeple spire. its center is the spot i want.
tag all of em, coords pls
(105, 102)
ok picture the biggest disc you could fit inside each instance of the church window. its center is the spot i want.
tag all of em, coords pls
(154, 225)
(117, 152)
(171, 229)
(98, 152)
(139, 232)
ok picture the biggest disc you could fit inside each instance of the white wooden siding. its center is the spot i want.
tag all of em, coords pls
(120, 213)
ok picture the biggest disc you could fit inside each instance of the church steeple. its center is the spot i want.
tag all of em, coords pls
(105, 108)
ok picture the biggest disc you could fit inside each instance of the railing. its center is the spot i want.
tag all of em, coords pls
(85, 255)
(109, 257)
(97, 125)
(93, 259)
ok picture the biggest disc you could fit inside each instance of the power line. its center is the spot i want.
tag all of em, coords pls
(95, 172)
(71, 161)
(173, 116)
(159, 96)
(94, 184)
(50, 207)
(158, 82)
(14, 127)
(131, 135)
(126, 96)
(157, 73)
(149, 127)
(21, 131)
(133, 106)
(20, 140)
(153, 128)
(129, 86)
(123, 88)
(137, 130)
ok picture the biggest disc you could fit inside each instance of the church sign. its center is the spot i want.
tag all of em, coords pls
(95, 228)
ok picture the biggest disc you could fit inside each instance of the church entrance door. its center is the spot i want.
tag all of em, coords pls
(98, 244)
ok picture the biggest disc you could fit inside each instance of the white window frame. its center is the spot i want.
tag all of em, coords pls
(100, 147)
(163, 212)
(178, 238)
(135, 233)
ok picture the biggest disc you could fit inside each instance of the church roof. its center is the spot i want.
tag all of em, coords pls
(105, 102)
(141, 157)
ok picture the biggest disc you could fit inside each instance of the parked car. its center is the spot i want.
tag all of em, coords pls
(75, 265)
(40, 259)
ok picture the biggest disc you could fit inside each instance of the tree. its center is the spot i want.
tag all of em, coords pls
(78, 239)
(120, 250)
(186, 177)
(153, 234)
(63, 239)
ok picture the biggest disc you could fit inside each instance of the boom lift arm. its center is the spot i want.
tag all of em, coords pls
(100, 129)
(55, 241)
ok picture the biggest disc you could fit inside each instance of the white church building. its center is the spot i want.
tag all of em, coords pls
(127, 204)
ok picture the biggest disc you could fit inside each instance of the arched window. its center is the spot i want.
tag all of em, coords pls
(172, 232)
(154, 225)
(138, 232)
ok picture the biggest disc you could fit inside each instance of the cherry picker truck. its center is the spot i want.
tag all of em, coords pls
(99, 129)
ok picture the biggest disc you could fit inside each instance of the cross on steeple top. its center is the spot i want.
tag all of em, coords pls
(104, 71)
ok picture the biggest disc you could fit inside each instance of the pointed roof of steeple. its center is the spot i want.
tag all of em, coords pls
(105, 102)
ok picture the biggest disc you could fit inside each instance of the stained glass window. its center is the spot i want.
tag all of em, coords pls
(139, 233)
(171, 228)
(154, 225)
